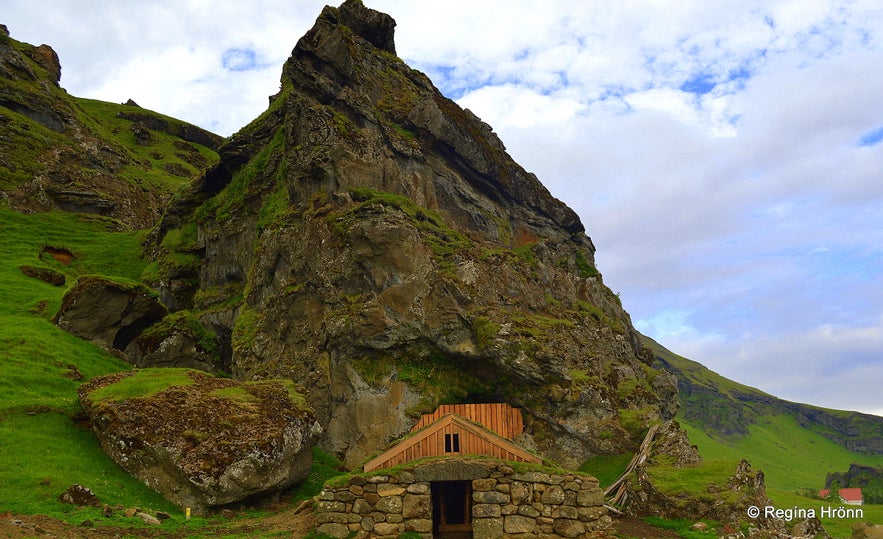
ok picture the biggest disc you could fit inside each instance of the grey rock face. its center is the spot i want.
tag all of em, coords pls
(108, 313)
(130, 321)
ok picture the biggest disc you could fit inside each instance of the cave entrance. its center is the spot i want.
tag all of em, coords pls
(451, 509)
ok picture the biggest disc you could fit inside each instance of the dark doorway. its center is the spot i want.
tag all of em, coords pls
(452, 509)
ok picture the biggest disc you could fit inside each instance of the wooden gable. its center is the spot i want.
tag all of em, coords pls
(497, 417)
(450, 435)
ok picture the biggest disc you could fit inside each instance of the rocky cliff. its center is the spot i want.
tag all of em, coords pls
(85, 156)
(373, 241)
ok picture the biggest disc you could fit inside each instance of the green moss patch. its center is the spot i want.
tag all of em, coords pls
(141, 384)
(441, 378)
(245, 184)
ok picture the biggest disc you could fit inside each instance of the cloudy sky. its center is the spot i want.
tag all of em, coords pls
(726, 157)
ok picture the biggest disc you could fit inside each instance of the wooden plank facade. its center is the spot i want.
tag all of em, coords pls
(455, 435)
(498, 417)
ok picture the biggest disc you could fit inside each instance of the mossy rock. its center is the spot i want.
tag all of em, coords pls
(201, 441)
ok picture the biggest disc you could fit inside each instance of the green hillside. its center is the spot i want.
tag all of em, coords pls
(795, 461)
(728, 410)
(792, 443)
(43, 449)
(792, 457)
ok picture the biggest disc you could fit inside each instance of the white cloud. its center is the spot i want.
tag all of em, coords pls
(807, 366)
(521, 108)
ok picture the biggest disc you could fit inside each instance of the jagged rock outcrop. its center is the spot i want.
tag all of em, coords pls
(108, 313)
(367, 232)
(60, 152)
(200, 441)
(725, 502)
(128, 320)
(647, 488)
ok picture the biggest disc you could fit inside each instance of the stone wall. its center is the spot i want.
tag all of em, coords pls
(505, 503)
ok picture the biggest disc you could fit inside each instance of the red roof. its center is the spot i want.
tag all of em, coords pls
(851, 494)
(846, 494)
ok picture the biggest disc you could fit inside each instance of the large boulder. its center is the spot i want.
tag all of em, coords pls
(108, 313)
(128, 320)
(203, 442)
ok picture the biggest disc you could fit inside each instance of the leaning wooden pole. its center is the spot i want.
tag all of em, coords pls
(617, 492)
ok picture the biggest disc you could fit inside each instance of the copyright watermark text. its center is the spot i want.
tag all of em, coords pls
(826, 511)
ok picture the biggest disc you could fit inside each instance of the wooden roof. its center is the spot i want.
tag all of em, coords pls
(473, 439)
(497, 417)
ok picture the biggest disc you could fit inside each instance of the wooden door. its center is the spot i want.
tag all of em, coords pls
(452, 509)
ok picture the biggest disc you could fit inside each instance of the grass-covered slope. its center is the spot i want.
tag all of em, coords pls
(82, 155)
(43, 449)
(44, 444)
(796, 445)
(795, 461)
(728, 410)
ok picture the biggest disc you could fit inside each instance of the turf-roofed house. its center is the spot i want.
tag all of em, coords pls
(460, 473)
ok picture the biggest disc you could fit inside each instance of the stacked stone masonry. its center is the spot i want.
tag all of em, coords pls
(505, 503)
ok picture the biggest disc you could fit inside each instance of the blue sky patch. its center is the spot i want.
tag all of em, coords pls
(701, 84)
(741, 74)
(239, 59)
(871, 138)
(704, 82)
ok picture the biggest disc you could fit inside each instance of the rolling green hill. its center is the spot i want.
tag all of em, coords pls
(796, 445)
(727, 410)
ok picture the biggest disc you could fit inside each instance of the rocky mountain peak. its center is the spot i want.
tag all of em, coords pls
(371, 239)
(376, 27)
(346, 62)
(14, 64)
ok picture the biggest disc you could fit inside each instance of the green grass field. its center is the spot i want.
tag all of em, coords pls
(794, 460)
(43, 450)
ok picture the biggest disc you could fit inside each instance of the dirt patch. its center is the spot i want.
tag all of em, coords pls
(26, 526)
(297, 521)
(60, 254)
(632, 528)
(46, 275)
